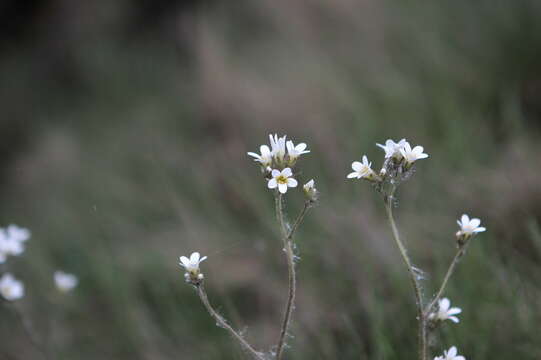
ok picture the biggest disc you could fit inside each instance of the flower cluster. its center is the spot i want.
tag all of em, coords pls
(12, 239)
(397, 166)
(193, 275)
(277, 163)
(281, 153)
(10, 288)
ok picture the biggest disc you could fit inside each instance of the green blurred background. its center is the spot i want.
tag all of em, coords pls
(125, 127)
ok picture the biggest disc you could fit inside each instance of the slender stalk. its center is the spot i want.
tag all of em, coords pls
(461, 251)
(422, 339)
(290, 256)
(223, 323)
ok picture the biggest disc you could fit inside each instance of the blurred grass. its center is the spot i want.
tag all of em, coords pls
(126, 148)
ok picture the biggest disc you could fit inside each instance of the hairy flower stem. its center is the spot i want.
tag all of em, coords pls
(290, 256)
(220, 321)
(422, 338)
(460, 252)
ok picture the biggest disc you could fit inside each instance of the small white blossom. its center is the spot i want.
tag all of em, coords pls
(469, 227)
(282, 180)
(265, 158)
(278, 146)
(310, 191)
(309, 186)
(450, 354)
(445, 311)
(11, 288)
(411, 155)
(64, 281)
(192, 264)
(9, 246)
(295, 151)
(361, 170)
(393, 149)
(17, 233)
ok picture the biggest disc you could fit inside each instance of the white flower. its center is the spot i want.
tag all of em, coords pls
(451, 354)
(309, 186)
(9, 246)
(11, 288)
(361, 170)
(282, 180)
(17, 233)
(64, 281)
(469, 227)
(266, 156)
(192, 264)
(445, 311)
(296, 151)
(393, 149)
(278, 146)
(411, 155)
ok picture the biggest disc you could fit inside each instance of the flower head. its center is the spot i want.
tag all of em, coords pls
(282, 180)
(191, 265)
(392, 149)
(450, 354)
(64, 281)
(278, 146)
(362, 169)
(469, 226)
(265, 159)
(295, 151)
(12, 241)
(11, 288)
(17, 233)
(310, 191)
(445, 311)
(412, 155)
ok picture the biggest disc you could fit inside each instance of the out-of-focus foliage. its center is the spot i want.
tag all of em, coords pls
(125, 127)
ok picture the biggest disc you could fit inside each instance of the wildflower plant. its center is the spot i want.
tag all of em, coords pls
(398, 166)
(279, 166)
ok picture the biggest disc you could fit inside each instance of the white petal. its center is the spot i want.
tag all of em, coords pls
(365, 160)
(465, 220)
(203, 259)
(353, 175)
(257, 156)
(282, 188)
(452, 352)
(292, 182)
(357, 166)
(479, 229)
(185, 261)
(275, 173)
(194, 258)
(264, 150)
(444, 304)
(459, 358)
(454, 319)
(287, 172)
(454, 311)
(272, 184)
(300, 147)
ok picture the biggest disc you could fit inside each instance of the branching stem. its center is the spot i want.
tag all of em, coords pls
(422, 338)
(223, 323)
(290, 256)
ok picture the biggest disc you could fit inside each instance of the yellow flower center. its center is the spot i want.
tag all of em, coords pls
(281, 179)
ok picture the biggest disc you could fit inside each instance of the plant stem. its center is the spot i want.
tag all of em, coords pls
(223, 323)
(290, 256)
(461, 251)
(422, 340)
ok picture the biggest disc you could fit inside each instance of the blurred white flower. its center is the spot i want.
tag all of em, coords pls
(393, 149)
(17, 233)
(278, 146)
(11, 288)
(266, 155)
(282, 179)
(469, 227)
(411, 155)
(445, 311)
(296, 151)
(192, 264)
(451, 354)
(309, 186)
(9, 246)
(361, 170)
(64, 281)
